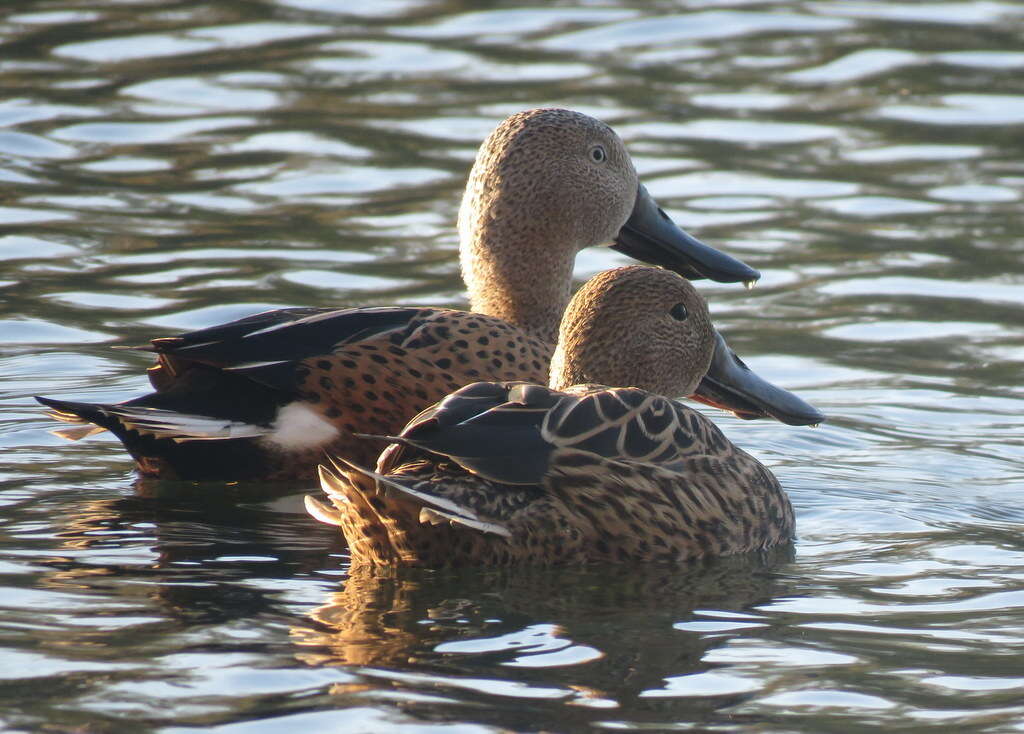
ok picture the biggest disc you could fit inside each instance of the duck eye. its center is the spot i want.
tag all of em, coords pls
(678, 312)
(598, 154)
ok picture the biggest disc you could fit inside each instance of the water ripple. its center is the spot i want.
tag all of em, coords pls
(174, 166)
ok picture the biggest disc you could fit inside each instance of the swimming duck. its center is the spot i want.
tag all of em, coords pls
(503, 473)
(263, 397)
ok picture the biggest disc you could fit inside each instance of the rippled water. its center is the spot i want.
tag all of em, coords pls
(169, 165)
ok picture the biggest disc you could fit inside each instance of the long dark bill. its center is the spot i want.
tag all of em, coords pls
(731, 385)
(649, 235)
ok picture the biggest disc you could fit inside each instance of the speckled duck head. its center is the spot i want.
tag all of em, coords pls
(635, 327)
(546, 184)
(649, 328)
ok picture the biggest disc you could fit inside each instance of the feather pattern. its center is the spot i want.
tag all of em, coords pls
(503, 473)
(356, 370)
(535, 198)
(607, 488)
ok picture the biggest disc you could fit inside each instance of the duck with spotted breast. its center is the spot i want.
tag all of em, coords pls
(516, 473)
(263, 397)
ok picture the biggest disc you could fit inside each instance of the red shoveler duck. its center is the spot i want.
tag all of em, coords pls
(515, 473)
(265, 396)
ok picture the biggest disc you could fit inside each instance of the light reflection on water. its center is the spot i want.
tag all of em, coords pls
(169, 168)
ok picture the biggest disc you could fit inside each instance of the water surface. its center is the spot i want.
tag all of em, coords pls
(167, 166)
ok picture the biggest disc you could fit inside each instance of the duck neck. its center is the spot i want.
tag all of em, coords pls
(527, 283)
(578, 356)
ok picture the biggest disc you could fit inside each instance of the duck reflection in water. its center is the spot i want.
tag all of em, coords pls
(186, 553)
(512, 473)
(606, 634)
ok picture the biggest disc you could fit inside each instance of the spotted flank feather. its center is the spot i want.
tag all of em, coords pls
(350, 370)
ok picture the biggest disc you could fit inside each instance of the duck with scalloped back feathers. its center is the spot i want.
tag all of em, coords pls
(517, 473)
(265, 396)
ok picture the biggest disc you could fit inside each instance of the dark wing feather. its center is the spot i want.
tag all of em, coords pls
(510, 432)
(235, 329)
(490, 429)
(461, 405)
(267, 347)
(452, 410)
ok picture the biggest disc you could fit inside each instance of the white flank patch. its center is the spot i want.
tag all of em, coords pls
(300, 427)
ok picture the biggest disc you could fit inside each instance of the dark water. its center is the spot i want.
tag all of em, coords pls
(169, 165)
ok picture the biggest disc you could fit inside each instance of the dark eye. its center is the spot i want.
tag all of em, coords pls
(598, 154)
(678, 312)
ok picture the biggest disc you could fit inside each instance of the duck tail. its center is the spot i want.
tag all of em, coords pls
(436, 506)
(389, 519)
(168, 443)
(348, 494)
(153, 422)
(72, 412)
(80, 414)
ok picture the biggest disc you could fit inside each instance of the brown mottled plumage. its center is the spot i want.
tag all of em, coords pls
(504, 473)
(264, 397)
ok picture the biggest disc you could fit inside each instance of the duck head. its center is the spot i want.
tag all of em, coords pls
(650, 328)
(546, 184)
